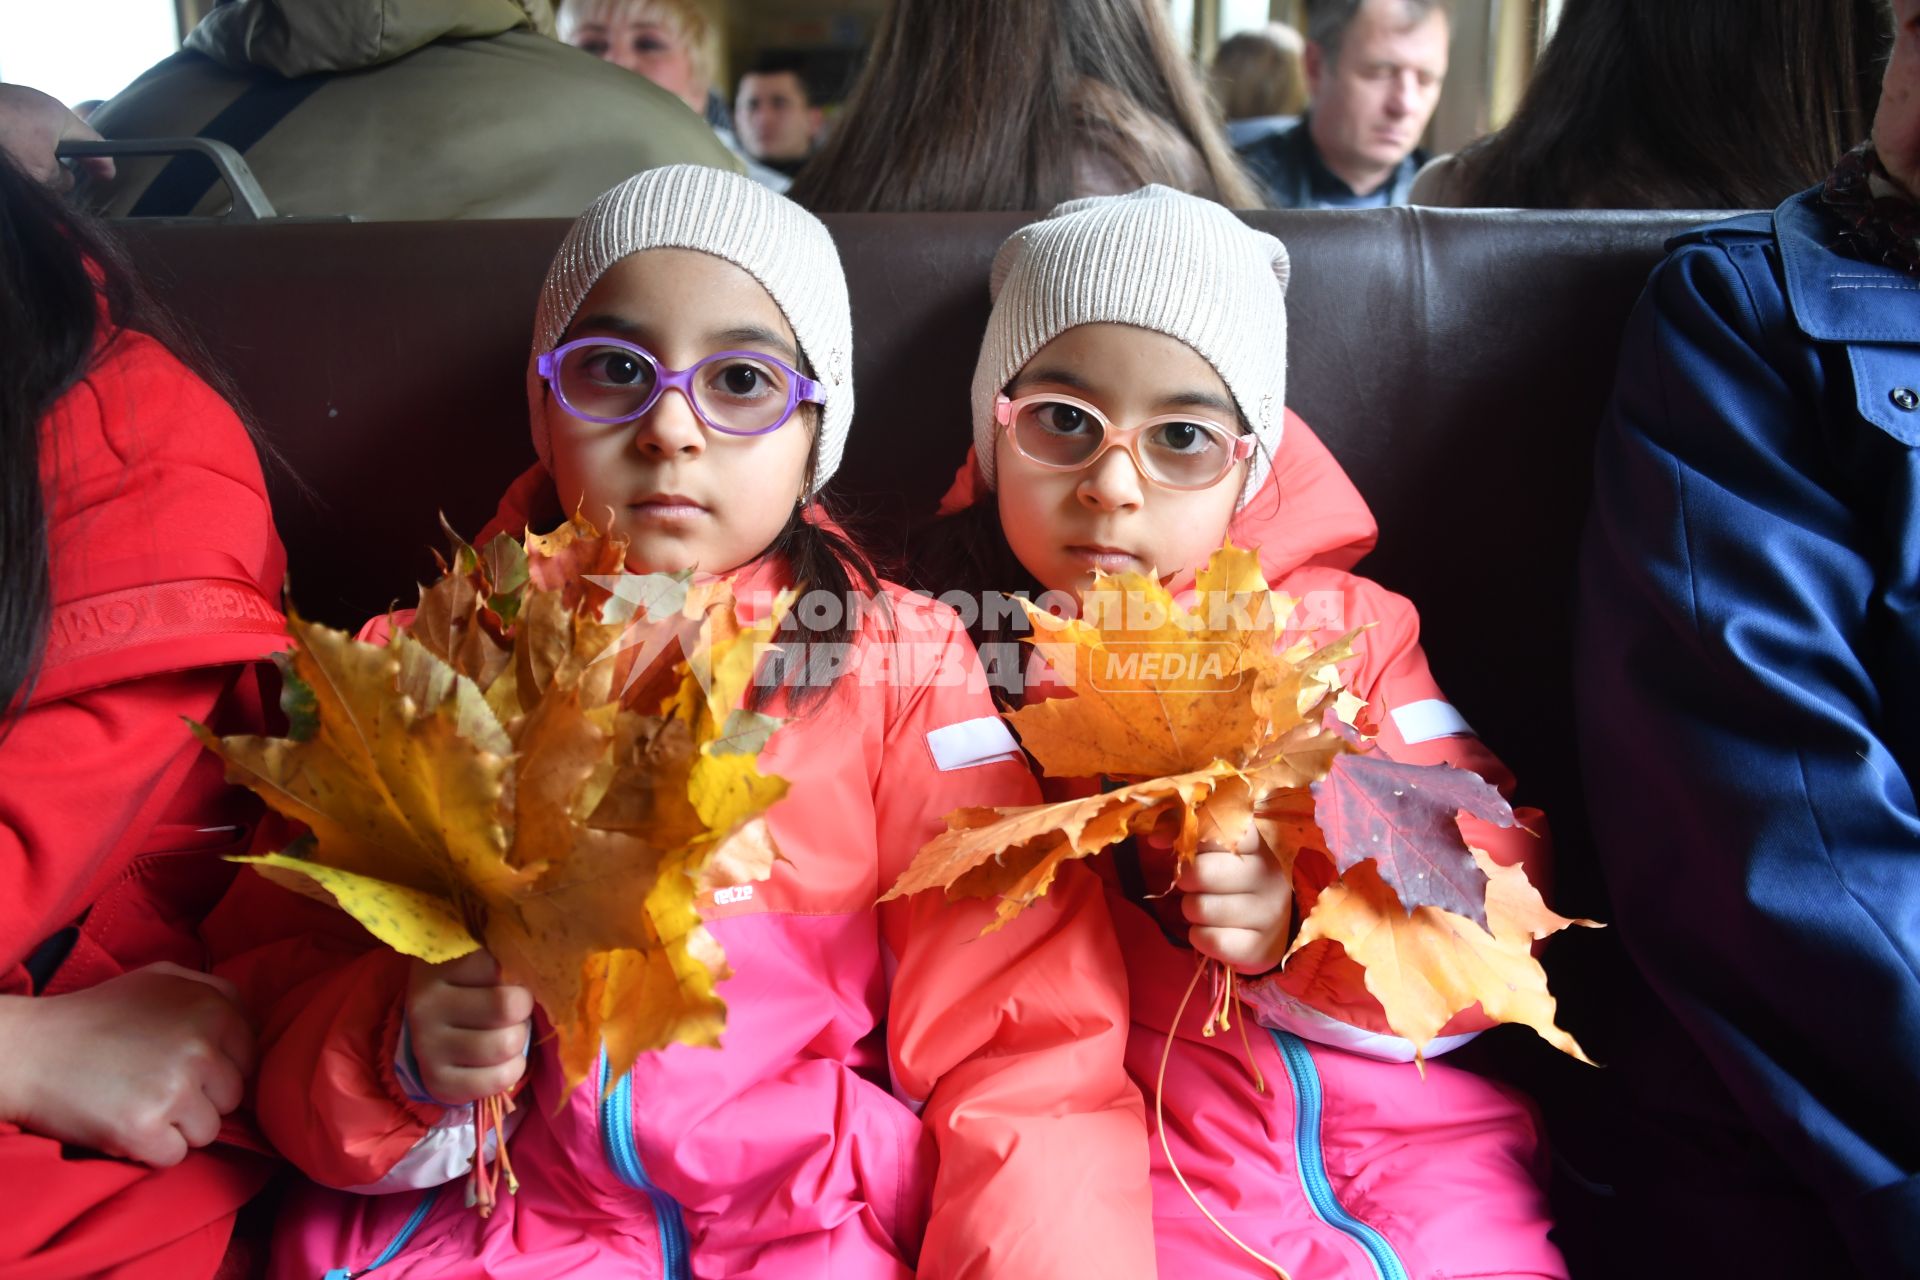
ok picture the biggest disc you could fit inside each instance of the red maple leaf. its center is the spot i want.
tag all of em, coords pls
(1406, 818)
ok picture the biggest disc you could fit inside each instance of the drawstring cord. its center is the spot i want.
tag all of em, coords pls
(483, 1181)
(1224, 997)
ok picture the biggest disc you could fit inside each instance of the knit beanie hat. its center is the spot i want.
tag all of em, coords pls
(1157, 259)
(714, 211)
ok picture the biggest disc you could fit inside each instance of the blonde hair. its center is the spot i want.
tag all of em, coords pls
(1260, 73)
(687, 19)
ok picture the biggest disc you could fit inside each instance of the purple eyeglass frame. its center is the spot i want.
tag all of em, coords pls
(800, 388)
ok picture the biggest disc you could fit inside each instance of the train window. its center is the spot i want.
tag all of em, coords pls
(83, 51)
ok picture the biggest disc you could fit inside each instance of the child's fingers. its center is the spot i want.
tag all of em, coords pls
(482, 1049)
(1245, 950)
(475, 969)
(1227, 910)
(484, 1008)
(456, 1085)
(1220, 871)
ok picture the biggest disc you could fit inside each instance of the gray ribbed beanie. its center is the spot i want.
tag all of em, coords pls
(767, 236)
(1157, 259)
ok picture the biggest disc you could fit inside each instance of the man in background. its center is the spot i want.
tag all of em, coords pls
(774, 114)
(1374, 73)
(395, 109)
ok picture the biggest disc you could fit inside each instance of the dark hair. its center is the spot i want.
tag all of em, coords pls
(1009, 104)
(783, 64)
(1711, 104)
(967, 552)
(1328, 20)
(807, 658)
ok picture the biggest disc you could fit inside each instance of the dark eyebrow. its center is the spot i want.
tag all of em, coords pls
(1060, 377)
(755, 334)
(611, 323)
(1068, 378)
(719, 339)
(1200, 400)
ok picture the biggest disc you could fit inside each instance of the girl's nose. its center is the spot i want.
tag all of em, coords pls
(670, 428)
(1112, 482)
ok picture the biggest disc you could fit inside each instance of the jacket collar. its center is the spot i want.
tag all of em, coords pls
(1834, 296)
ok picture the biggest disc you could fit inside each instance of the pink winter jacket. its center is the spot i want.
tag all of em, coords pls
(895, 1095)
(1348, 1164)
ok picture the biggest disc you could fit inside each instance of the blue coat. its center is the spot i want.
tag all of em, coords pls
(1749, 684)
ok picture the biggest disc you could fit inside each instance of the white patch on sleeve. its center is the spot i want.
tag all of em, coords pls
(444, 1153)
(1428, 719)
(982, 740)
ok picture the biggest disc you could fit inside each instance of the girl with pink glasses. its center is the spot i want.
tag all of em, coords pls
(1129, 415)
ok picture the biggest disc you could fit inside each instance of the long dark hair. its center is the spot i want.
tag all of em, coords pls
(1708, 104)
(49, 324)
(966, 553)
(808, 660)
(1009, 104)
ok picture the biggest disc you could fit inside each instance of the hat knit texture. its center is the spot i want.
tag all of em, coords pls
(1157, 259)
(769, 237)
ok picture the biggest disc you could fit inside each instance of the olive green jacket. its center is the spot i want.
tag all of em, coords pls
(429, 109)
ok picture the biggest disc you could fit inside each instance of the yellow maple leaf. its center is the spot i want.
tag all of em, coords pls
(571, 840)
(1194, 700)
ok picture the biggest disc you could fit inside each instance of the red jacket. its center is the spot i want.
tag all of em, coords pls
(166, 572)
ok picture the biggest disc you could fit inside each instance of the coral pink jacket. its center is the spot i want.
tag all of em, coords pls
(895, 1095)
(1346, 1164)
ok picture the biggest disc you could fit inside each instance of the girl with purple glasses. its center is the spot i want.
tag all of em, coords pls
(887, 1100)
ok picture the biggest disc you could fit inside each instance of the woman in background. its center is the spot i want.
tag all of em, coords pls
(1020, 104)
(670, 42)
(1647, 104)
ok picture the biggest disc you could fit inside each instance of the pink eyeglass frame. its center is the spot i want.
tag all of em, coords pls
(1005, 410)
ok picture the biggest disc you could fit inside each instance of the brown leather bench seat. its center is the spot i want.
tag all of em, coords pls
(1456, 362)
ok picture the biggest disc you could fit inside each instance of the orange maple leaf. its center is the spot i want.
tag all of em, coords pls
(1425, 964)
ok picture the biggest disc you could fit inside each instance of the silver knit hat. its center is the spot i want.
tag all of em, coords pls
(1157, 259)
(769, 237)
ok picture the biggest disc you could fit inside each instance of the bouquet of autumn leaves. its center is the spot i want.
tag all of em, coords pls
(550, 760)
(1210, 727)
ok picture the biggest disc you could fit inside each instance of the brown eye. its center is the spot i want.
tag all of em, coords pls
(1064, 419)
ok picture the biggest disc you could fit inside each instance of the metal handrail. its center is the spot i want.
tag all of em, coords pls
(250, 203)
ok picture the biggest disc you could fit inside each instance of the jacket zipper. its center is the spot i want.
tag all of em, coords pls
(616, 1139)
(1311, 1161)
(406, 1233)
